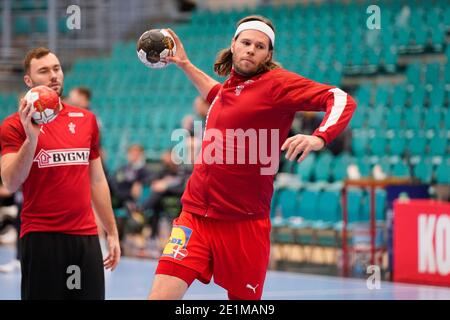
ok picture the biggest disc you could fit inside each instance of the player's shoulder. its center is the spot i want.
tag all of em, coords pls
(12, 120)
(76, 112)
(281, 74)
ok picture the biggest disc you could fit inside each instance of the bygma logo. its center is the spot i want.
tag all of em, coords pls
(434, 244)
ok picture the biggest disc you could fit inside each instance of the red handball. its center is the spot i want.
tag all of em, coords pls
(46, 103)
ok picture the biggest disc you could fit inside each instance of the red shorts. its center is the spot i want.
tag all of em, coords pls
(236, 253)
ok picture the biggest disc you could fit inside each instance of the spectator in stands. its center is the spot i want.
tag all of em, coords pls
(193, 139)
(10, 206)
(171, 181)
(201, 107)
(127, 183)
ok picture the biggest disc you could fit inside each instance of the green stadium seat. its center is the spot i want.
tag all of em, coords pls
(304, 169)
(22, 25)
(420, 38)
(447, 119)
(413, 118)
(390, 58)
(385, 164)
(399, 96)
(329, 213)
(287, 204)
(340, 164)
(362, 95)
(417, 97)
(439, 144)
(442, 173)
(433, 119)
(328, 210)
(397, 145)
(437, 97)
(376, 116)
(41, 25)
(403, 38)
(438, 38)
(372, 61)
(307, 212)
(378, 145)
(394, 118)
(417, 145)
(382, 96)
(62, 25)
(446, 15)
(364, 166)
(423, 170)
(354, 204)
(413, 73)
(358, 118)
(432, 73)
(400, 170)
(322, 168)
(447, 72)
(307, 205)
(360, 141)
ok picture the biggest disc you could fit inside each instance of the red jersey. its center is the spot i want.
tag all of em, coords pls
(57, 194)
(265, 102)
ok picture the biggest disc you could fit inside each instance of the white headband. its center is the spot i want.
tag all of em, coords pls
(257, 25)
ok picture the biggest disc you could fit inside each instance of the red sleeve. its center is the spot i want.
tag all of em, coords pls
(95, 140)
(12, 136)
(213, 93)
(296, 93)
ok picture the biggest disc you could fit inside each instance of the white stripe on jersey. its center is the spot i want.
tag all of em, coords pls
(340, 101)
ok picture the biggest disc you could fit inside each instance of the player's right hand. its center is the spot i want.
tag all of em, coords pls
(26, 110)
(180, 58)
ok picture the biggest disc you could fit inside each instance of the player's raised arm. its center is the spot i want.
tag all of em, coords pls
(201, 80)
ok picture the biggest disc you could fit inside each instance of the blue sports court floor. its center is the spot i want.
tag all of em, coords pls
(133, 277)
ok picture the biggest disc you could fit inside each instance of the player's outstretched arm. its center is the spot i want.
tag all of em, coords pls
(15, 167)
(200, 80)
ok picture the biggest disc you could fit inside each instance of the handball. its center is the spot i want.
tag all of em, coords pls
(154, 46)
(45, 102)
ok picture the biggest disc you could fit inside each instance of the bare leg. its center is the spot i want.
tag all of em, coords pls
(167, 288)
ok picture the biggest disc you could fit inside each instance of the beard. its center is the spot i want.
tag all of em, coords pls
(249, 73)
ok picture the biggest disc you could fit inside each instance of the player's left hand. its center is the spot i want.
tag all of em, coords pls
(113, 258)
(301, 143)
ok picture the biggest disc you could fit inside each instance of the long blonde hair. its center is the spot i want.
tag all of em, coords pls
(224, 59)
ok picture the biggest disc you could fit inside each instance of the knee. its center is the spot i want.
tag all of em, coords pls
(166, 294)
(233, 297)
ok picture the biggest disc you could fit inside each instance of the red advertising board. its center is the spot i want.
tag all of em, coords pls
(422, 242)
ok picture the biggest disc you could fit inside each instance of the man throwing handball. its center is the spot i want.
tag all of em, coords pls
(224, 227)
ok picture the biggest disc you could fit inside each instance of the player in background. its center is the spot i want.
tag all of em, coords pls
(59, 168)
(80, 97)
